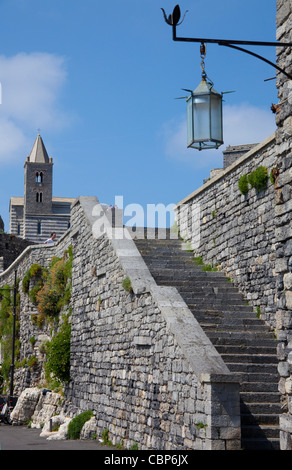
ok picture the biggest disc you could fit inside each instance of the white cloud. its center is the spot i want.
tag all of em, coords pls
(242, 124)
(31, 85)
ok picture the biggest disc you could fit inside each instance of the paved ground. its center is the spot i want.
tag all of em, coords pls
(22, 438)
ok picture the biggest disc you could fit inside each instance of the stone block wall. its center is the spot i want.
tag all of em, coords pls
(40, 254)
(283, 232)
(236, 232)
(10, 248)
(139, 359)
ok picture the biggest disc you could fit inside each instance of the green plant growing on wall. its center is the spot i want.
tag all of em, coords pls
(199, 261)
(32, 341)
(35, 274)
(56, 291)
(6, 332)
(209, 267)
(52, 287)
(127, 285)
(206, 267)
(258, 178)
(32, 362)
(58, 353)
(243, 184)
(76, 424)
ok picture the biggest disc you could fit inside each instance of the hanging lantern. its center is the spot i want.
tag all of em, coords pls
(204, 114)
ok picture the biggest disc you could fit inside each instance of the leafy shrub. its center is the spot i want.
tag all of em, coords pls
(76, 424)
(52, 289)
(35, 272)
(58, 353)
(243, 184)
(34, 291)
(105, 438)
(6, 331)
(258, 178)
(49, 301)
(32, 362)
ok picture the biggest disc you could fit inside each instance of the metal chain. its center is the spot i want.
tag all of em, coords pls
(203, 55)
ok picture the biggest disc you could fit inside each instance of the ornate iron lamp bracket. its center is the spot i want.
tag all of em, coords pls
(174, 20)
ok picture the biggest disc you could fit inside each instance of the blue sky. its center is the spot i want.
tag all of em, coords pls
(99, 79)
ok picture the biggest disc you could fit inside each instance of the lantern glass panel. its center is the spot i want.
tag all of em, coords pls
(216, 118)
(190, 126)
(201, 117)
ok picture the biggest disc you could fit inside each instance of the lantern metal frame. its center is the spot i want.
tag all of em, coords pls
(204, 92)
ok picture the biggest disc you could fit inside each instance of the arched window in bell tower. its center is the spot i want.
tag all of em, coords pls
(39, 197)
(39, 176)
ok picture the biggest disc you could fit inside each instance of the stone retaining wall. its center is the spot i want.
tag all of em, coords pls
(236, 232)
(283, 232)
(10, 248)
(139, 359)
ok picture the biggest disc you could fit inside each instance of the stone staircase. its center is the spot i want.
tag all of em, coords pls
(244, 341)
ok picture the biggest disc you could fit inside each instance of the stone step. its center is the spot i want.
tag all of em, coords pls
(184, 284)
(250, 358)
(259, 386)
(260, 397)
(253, 444)
(262, 432)
(201, 296)
(244, 341)
(258, 409)
(211, 302)
(255, 377)
(210, 327)
(192, 272)
(237, 337)
(227, 310)
(223, 314)
(224, 323)
(154, 254)
(258, 419)
(197, 277)
(252, 368)
(245, 349)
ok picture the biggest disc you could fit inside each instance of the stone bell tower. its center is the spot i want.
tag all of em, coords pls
(38, 185)
(38, 181)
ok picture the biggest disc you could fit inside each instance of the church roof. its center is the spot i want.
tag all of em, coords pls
(38, 153)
